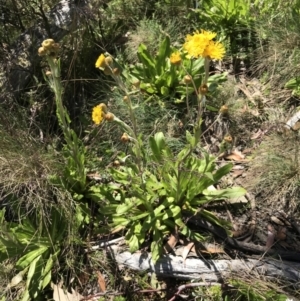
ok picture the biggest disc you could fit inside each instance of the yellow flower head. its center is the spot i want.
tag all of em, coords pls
(200, 44)
(101, 63)
(98, 114)
(195, 44)
(214, 50)
(175, 58)
(208, 34)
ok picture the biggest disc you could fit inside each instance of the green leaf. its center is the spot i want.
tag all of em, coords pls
(164, 91)
(32, 269)
(156, 245)
(190, 139)
(157, 144)
(26, 296)
(46, 280)
(47, 270)
(139, 216)
(197, 65)
(133, 243)
(212, 218)
(163, 53)
(293, 83)
(120, 221)
(34, 277)
(25, 260)
(172, 211)
(171, 77)
(148, 62)
(227, 193)
(223, 171)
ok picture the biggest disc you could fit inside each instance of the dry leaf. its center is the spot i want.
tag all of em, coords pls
(281, 233)
(186, 251)
(237, 173)
(207, 248)
(171, 243)
(101, 282)
(257, 135)
(271, 236)
(60, 295)
(247, 151)
(94, 176)
(236, 156)
(270, 240)
(213, 248)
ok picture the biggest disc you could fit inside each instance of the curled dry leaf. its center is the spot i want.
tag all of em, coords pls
(276, 220)
(237, 173)
(236, 155)
(257, 135)
(281, 233)
(207, 248)
(271, 237)
(101, 282)
(186, 251)
(171, 243)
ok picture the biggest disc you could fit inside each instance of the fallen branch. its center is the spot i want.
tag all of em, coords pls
(207, 270)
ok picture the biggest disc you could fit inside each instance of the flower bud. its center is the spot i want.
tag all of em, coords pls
(42, 51)
(116, 71)
(136, 84)
(116, 163)
(125, 138)
(187, 79)
(228, 139)
(109, 116)
(48, 73)
(223, 110)
(48, 43)
(103, 107)
(107, 71)
(203, 89)
(125, 98)
(108, 60)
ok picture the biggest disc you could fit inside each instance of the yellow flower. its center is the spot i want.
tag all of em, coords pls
(175, 58)
(200, 44)
(208, 34)
(214, 50)
(101, 63)
(195, 44)
(98, 114)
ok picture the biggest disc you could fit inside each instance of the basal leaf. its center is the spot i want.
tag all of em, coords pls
(222, 171)
(148, 62)
(133, 243)
(25, 260)
(225, 193)
(163, 53)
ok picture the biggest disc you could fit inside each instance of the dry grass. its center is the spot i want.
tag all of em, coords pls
(275, 170)
(150, 33)
(26, 166)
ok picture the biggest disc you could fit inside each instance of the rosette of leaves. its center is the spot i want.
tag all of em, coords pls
(294, 85)
(36, 248)
(150, 204)
(157, 76)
